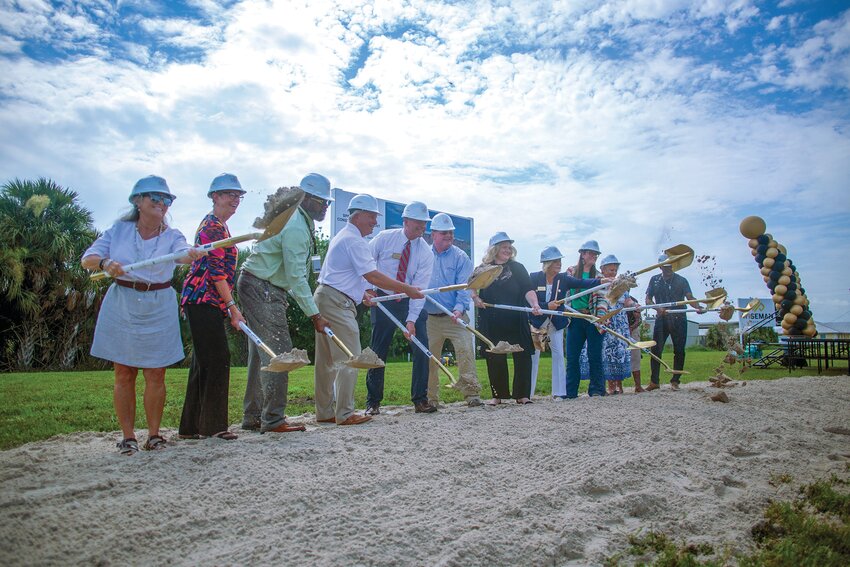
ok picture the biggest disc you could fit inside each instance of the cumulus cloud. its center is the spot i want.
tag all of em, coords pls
(641, 124)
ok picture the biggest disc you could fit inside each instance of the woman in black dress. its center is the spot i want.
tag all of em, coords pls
(512, 287)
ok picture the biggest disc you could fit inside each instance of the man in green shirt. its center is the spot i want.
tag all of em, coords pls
(276, 268)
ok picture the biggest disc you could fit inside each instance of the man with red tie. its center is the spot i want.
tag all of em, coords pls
(402, 254)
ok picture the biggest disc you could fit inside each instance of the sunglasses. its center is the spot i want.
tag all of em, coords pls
(160, 198)
(321, 201)
(236, 195)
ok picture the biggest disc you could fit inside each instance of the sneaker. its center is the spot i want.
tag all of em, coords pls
(373, 409)
(674, 385)
(652, 386)
(474, 402)
(128, 446)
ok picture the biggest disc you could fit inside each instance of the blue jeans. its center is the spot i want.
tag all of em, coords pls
(579, 332)
(382, 335)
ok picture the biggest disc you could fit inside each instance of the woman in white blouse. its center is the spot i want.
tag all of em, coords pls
(137, 326)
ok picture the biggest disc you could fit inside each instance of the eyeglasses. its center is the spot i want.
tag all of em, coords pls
(160, 198)
(232, 195)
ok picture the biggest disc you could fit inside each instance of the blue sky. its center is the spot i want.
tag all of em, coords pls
(641, 124)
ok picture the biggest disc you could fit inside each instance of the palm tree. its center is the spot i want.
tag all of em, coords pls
(46, 297)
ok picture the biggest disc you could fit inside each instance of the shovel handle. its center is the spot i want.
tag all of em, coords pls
(460, 322)
(338, 342)
(416, 341)
(583, 293)
(178, 255)
(669, 260)
(255, 339)
(395, 296)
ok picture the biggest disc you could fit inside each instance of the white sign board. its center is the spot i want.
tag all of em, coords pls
(390, 217)
(767, 310)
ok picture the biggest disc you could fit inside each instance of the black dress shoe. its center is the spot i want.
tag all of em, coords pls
(424, 407)
(373, 409)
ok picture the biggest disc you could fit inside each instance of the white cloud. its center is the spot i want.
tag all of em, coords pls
(640, 147)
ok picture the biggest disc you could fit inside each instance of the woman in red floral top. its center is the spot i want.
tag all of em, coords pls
(207, 298)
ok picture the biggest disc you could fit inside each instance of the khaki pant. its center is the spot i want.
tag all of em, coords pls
(440, 329)
(341, 312)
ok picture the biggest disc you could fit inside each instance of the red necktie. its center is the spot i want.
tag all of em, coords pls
(401, 274)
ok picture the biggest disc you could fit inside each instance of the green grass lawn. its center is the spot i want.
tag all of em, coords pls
(38, 405)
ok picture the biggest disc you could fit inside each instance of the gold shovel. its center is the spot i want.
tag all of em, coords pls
(353, 361)
(480, 278)
(678, 257)
(286, 207)
(465, 325)
(417, 342)
(279, 362)
(713, 299)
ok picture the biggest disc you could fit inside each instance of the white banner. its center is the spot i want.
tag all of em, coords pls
(390, 217)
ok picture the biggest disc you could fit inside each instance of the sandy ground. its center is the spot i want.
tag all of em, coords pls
(545, 484)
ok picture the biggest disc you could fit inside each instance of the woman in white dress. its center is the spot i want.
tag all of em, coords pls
(137, 326)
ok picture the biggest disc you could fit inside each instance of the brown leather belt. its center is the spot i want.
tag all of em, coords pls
(142, 286)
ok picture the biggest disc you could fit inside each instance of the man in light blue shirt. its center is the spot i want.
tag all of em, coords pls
(451, 266)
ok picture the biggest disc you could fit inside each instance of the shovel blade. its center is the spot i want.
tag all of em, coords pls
(285, 208)
(483, 276)
(682, 255)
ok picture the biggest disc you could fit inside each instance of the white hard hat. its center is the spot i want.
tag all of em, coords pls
(609, 259)
(225, 182)
(662, 257)
(591, 245)
(363, 202)
(150, 184)
(500, 237)
(550, 253)
(416, 211)
(318, 185)
(442, 221)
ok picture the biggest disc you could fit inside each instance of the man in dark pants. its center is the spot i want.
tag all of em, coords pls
(403, 255)
(667, 287)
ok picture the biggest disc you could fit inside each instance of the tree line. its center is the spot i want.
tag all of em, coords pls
(48, 303)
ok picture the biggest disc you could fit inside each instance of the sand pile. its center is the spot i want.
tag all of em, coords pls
(548, 483)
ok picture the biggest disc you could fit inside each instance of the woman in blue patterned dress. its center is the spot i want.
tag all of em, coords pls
(616, 359)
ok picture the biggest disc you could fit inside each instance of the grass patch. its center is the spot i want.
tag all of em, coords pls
(39, 405)
(813, 530)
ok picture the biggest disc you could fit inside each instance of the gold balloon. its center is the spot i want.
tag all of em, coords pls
(772, 253)
(787, 272)
(752, 227)
(777, 299)
(786, 325)
(810, 331)
(784, 280)
(754, 243)
(773, 244)
(754, 252)
(797, 309)
(769, 262)
(782, 249)
(765, 271)
(790, 317)
(780, 290)
(800, 300)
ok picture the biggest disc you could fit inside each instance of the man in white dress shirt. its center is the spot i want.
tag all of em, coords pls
(402, 254)
(348, 271)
